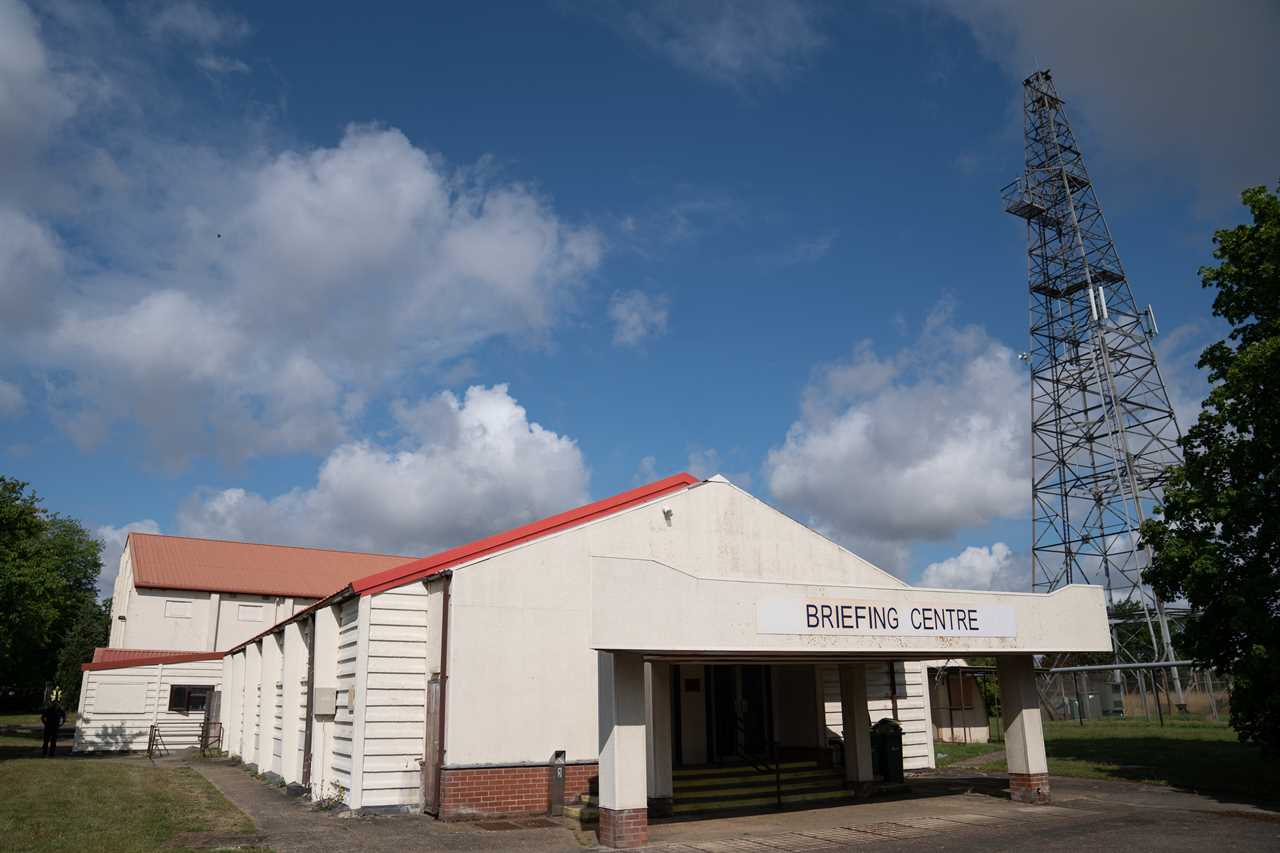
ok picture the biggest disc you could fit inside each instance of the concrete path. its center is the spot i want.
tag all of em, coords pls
(955, 811)
(952, 811)
(289, 825)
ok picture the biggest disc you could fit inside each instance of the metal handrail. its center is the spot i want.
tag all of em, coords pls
(764, 763)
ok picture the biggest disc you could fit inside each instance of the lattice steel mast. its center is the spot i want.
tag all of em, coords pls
(1102, 431)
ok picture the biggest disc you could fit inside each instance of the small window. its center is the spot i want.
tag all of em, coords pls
(188, 698)
(250, 613)
(176, 609)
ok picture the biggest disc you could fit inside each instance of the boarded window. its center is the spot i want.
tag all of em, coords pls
(120, 697)
(250, 612)
(188, 698)
(177, 609)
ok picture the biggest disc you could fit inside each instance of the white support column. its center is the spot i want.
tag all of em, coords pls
(658, 736)
(1023, 731)
(326, 675)
(272, 658)
(252, 701)
(624, 820)
(294, 671)
(856, 723)
(232, 691)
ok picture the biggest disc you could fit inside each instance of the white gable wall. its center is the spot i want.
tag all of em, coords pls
(522, 673)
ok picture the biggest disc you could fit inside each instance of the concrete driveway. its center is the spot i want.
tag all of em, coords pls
(946, 812)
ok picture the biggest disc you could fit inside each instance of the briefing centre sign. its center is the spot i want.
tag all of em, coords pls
(861, 618)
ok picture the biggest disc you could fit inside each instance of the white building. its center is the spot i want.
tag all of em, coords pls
(177, 601)
(641, 640)
(178, 593)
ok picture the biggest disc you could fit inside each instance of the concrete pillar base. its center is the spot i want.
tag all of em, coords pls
(1029, 788)
(624, 827)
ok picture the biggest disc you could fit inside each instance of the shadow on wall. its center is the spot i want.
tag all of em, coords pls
(115, 738)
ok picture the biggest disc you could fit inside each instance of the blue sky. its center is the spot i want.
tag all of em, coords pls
(393, 280)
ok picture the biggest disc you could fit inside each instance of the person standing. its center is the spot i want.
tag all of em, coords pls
(52, 718)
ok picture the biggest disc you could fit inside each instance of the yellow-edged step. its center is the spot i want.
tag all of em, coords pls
(711, 789)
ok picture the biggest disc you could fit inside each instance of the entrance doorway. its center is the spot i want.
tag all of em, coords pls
(739, 711)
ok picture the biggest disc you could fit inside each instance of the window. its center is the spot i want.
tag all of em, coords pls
(250, 613)
(188, 698)
(176, 609)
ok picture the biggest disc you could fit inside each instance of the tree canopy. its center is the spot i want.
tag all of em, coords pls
(49, 568)
(1216, 542)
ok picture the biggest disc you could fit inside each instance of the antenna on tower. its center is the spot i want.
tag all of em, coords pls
(1103, 434)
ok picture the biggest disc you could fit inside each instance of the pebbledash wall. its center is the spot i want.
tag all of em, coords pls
(520, 676)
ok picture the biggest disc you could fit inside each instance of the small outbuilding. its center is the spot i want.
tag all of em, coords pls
(645, 646)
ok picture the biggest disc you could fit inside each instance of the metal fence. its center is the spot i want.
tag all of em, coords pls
(1134, 691)
(204, 735)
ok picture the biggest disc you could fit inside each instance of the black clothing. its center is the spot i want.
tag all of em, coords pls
(52, 718)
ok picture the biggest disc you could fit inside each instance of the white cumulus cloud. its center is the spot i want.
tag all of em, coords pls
(463, 468)
(987, 568)
(912, 446)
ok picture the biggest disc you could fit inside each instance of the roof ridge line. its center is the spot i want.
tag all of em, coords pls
(434, 563)
(268, 544)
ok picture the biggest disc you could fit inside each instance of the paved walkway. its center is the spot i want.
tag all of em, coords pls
(290, 825)
(959, 810)
(953, 811)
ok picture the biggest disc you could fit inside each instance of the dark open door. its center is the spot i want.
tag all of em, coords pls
(431, 755)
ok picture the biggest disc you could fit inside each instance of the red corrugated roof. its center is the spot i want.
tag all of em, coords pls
(427, 566)
(142, 657)
(213, 565)
(108, 655)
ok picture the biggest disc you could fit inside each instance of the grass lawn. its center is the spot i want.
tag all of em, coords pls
(1191, 754)
(110, 805)
(7, 720)
(948, 754)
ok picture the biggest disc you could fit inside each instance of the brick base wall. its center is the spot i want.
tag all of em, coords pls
(1029, 788)
(624, 827)
(501, 791)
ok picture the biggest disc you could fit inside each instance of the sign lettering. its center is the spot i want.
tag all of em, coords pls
(838, 617)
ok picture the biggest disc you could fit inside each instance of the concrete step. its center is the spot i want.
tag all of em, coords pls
(754, 777)
(716, 789)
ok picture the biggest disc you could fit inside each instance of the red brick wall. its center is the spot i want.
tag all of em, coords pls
(624, 827)
(494, 791)
(1029, 787)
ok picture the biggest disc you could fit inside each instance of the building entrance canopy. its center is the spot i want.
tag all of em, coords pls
(649, 607)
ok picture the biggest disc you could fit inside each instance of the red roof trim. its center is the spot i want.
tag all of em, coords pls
(436, 563)
(183, 657)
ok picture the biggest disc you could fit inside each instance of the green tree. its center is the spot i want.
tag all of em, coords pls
(90, 628)
(49, 567)
(1217, 540)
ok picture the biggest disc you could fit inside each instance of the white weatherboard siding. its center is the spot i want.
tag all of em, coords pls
(344, 729)
(119, 706)
(395, 697)
(913, 712)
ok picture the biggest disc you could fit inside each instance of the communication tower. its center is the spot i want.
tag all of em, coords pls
(1103, 434)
